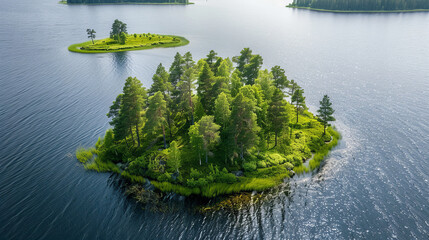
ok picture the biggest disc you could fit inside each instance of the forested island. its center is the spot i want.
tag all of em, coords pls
(120, 41)
(210, 128)
(362, 5)
(183, 2)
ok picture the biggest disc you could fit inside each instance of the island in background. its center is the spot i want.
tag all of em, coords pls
(362, 6)
(180, 2)
(120, 41)
(210, 129)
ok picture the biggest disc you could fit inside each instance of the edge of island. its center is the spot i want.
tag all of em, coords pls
(358, 11)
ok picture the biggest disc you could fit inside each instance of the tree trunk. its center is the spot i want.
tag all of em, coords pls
(207, 161)
(163, 134)
(242, 152)
(169, 125)
(275, 145)
(132, 136)
(324, 129)
(296, 114)
(138, 136)
(199, 156)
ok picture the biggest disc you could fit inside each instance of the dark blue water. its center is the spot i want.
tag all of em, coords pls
(375, 67)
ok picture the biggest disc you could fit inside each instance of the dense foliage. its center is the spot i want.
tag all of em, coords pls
(126, 1)
(363, 5)
(200, 125)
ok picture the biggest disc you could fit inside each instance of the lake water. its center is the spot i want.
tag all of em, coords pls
(375, 67)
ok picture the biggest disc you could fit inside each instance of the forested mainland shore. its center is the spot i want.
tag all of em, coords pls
(213, 127)
(362, 6)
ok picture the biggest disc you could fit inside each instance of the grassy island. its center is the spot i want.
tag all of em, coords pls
(134, 42)
(212, 128)
(121, 41)
(362, 6)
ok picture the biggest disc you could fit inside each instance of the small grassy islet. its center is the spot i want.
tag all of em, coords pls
(133, 42)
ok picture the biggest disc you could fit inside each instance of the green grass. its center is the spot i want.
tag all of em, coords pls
(84, 155)
(133, 178)
(132, 44)
(62, 2)
(101, 166)
(359, 11)
(320, 155)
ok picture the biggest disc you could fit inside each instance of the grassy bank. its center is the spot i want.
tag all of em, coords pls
(349, 11)
(134, 42)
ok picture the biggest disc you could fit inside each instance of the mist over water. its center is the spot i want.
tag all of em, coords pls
(375, 67)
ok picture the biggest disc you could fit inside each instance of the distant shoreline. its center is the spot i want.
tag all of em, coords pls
(359, 11)
(137, 3)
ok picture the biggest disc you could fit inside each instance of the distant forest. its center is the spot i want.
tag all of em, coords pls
(363, 5)
(126, 1)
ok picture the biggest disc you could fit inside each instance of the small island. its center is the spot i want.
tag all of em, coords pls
(210, 128)
(120, 41)
(149, 2)
(362, 6)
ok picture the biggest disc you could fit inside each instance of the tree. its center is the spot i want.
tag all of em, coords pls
(196, 140)
(174, 160)
(186, 88)
(325, 112)
(132, 104)
(225, 68)
(160, 81)
(211, 59)
(236, 83)
(91, 34)
(176, 70)
(292, 87)
(119, 127)
(244, 124)
(243, 59)
(222, 112)
(209, 131)
(251, 70)
(155, 115)
(265, 81)
(299, 101)
(277, 113)
(279, 76)
(204, 89)
(122, 38)
(118, 28)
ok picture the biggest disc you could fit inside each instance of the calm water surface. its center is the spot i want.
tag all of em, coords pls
(375, 67)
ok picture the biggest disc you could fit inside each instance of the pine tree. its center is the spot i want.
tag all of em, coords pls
(209, 130)
(155, 116)
(243, 59)
(325, 112)
(299, 101)
(132, 104)
(222, 111)
(278, 114)
(160, 81)
(280, 79)
(244, 124)
(251, 70)
(204, 89)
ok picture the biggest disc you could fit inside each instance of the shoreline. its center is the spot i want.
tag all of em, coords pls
(131, 3)
(76, 47)
(359, 11)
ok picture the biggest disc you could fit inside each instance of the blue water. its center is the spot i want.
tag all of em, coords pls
(375, 67)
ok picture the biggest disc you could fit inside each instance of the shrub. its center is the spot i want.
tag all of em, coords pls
(195, 173)
(249, 166)
(261, 164)
(166, 177)
(202, 182)
(83, 155)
